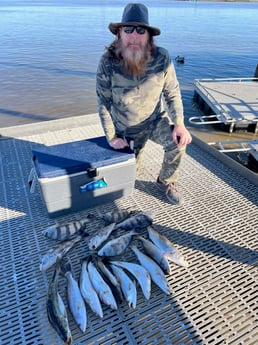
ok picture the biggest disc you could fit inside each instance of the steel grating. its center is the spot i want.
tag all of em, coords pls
(212, 302)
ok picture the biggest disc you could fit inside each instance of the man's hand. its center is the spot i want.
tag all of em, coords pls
(118, 143)
(181, 136)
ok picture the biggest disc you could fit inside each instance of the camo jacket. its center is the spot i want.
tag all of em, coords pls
(128, 104)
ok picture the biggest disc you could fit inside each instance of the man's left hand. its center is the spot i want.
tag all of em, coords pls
(181, 136)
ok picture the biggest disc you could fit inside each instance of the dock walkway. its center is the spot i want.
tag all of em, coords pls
(232, 102)
(214, 301)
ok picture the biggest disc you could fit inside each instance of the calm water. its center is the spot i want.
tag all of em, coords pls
(50, 50)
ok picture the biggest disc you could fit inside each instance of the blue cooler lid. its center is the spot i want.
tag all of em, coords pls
(73, 157)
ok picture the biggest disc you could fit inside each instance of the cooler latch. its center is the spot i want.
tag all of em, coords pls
(92, 172)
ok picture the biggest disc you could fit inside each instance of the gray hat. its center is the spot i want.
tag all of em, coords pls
(135, 14)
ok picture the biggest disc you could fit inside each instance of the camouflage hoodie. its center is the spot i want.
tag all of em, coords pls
(128, 104)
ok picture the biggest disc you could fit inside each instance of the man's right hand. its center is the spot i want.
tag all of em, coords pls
(118, 143)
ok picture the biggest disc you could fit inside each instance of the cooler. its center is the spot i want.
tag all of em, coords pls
(82, 174)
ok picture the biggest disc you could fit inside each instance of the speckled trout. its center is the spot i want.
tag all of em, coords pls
(171, 252)
(56, 311)
(154, 270)
(140, 273)
(155, 253)
(101, 287)
(51, 257)
(127, 285)
(117, 245)
(88, 292)
(101, 236)
(75, 299)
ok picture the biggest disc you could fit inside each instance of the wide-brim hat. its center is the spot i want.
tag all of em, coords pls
(135, 14)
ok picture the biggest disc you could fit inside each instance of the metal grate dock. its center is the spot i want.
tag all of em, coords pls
(212, 302)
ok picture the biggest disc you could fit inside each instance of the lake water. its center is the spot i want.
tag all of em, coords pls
(50, 51)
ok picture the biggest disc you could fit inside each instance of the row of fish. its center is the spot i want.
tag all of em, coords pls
(104, 278)
(73, 232)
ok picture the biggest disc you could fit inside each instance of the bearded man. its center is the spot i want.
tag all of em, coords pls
(139, 97)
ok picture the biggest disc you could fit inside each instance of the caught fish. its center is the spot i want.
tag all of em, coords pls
(155, 253)
(51, 257)
(137, 221)
(127, 285)
(115, 216)
(117, 245)
(75, 299)
(101, 236)
(110, 279)
(153, 268)
(171, 252)
(140, 273)
(101, 287)
(88, 292)
(66, 231)
(56, 311)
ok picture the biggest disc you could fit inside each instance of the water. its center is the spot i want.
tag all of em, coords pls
(50, 50)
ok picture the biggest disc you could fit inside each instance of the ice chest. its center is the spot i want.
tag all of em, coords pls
(65, 173)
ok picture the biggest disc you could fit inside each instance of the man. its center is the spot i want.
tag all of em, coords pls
(134, 78)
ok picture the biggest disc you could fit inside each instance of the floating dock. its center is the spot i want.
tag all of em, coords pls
(214, 301)
(231, 102)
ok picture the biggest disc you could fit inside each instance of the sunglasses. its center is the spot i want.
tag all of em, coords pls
(130, 29)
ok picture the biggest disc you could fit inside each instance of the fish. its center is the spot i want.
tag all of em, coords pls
(101, 236)
(64, 232)
(128, 286)
(88, 292)
(101, 287)
(171, 252)
(110, 279)
(153, 268)
(139, 272)
(137, 221)
(56, 312)
(115, 216)
(74, 297)
(116, 246)
(57, 252)
(155, 253)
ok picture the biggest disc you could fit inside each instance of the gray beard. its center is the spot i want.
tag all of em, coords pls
(135, 61)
